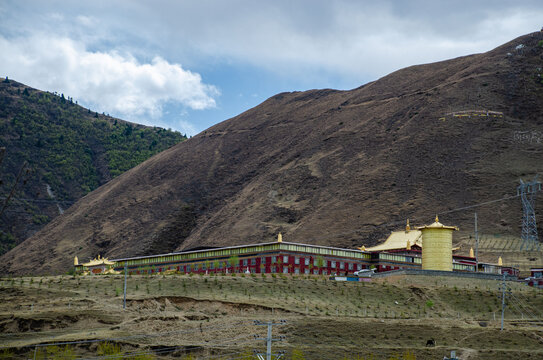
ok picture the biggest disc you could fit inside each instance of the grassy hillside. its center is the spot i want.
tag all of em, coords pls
(68, 151)
(212, 317)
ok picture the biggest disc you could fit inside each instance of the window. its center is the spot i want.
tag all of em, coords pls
(306, 261)
(341, 265)
(285, 259)
(253, 261)
(306, 271)
(297, 260)
(285, 270)
(274, 259)
(263, 260)
(212, 266)
(316, 271)
(274, 269)
(296, 271)
(351, 266)
(358, 266)
(333, 264)
(244, 262)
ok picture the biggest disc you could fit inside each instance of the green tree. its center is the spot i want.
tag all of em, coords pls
(320, 261)
(234, 262)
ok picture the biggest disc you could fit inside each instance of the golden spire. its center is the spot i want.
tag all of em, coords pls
(500, 262)
(279, 238)
(407, 227)
(471, 253)
(363, 248)
(437, 218)
(76, 261)
(408, 247)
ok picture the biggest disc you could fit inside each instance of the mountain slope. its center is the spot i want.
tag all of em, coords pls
(68, 151)
(341, 168)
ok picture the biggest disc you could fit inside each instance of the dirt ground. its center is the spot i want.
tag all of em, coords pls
(213, 317)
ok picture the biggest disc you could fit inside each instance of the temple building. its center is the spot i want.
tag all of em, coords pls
(402, 250)
(96, 266)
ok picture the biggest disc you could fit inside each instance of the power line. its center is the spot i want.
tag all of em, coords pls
(525, 300)
(400, 222)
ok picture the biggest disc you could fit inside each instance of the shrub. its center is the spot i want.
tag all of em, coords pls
(107, 348)
(297, 354)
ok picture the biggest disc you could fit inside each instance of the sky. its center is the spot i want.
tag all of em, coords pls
(187, 65)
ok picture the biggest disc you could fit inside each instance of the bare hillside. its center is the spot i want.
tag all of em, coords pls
(340, 168)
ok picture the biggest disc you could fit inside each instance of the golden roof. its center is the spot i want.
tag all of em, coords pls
(437, 225)
(400, 240)
(98, 261)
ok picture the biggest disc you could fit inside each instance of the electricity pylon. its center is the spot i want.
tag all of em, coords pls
(527, 192)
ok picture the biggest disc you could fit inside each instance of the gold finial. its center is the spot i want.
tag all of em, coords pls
(76, 261)
(362, 248)
(408, 247)
(500, 262)
(471, 253)
(407, 227)
(437, 218)
(279, 238)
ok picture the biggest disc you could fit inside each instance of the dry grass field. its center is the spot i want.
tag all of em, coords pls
(212, 317)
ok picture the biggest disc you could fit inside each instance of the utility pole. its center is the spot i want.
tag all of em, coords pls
(125, 273)
(269, 339)
(476, 245)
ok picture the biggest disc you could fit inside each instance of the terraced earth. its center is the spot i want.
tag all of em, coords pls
(212, 317)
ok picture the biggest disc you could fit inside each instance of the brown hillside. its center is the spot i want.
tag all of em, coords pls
(341, 168)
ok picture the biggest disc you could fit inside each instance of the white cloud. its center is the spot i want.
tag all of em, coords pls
(110, 82)
(360, 39)
(294, 44)
(86, 20)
